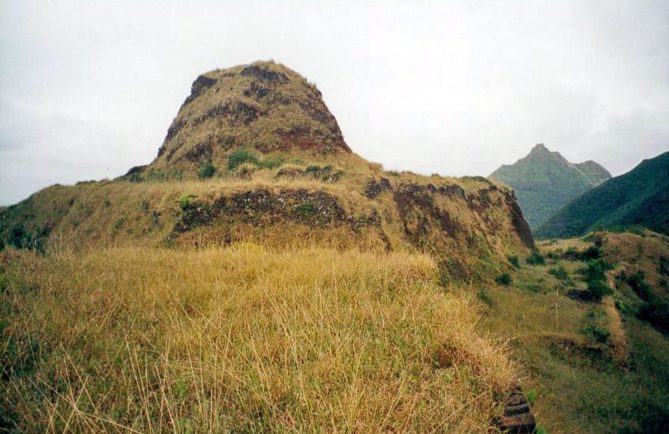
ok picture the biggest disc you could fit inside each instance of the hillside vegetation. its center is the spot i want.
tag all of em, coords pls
(257, 276)
(254, 155)
(545, 181)
(263, 107)
(639, 197)
(241, 340)
(595, 364)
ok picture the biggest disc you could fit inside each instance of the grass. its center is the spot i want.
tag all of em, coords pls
(504, 279)
(206, 170)
(75, 216)
(596, 368)
(242, 340)
(536, 258)
(514, 260)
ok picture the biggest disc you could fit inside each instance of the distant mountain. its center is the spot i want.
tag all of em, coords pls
(545, 181)
(639, 197)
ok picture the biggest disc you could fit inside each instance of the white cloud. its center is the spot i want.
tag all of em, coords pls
(88, 89)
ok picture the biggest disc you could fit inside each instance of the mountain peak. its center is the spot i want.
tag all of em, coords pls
(539, 148)
(544, 181)
(264, 107)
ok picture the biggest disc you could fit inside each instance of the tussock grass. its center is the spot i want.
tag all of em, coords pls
(241, 339)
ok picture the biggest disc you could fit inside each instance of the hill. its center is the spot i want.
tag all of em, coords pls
(257, 276)
(545, 181)
(584, 358)
(255, 156)
(639, 197)
(264, 107)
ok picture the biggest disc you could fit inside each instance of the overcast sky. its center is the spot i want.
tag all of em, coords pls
(88, 88)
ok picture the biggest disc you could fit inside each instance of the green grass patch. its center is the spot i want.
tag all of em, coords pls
(504, 279)
(241, 156)
(514, 260)
(205, 171)
(536, 258)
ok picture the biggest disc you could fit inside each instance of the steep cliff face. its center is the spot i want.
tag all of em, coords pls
(314, 192)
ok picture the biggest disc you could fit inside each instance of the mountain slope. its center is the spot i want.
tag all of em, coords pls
(639, 197)
(285, 178)
(545, 181)
(264, 107)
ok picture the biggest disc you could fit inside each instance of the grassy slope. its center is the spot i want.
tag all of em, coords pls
(580, 387)
(213, 119)
(241, 339)
(120, 213)
(639, 197)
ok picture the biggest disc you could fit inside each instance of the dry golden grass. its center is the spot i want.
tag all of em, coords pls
(121, 213)
(639, 252)
(241, 339)
(618, 339)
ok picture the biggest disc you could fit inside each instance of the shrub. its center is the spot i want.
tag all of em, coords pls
(598, 289)
(595, 276)
(595, 326)
(571, 254)
(559, 272)
(271, 163)
(504, 279)
(325, 173)
(621, 306)
(513, 260)
(241, 156)
(592, 252)
(553, 255)
(536, 258)
(120, 222)
(134, 177)
(656, 313)
(596, 269)
(638, 283)
(186, 200)
(207, 170)
(20, 237)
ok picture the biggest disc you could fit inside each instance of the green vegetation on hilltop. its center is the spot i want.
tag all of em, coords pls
(544, 182)
(639, 197)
